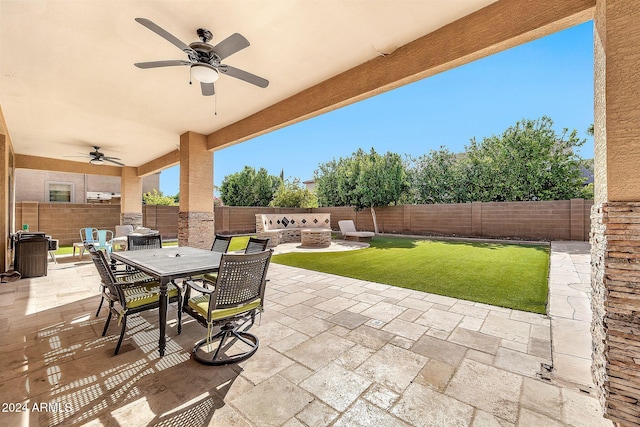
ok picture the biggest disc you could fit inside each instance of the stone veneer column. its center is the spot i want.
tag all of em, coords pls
(615, 216)
(196, 222)
(131, 197)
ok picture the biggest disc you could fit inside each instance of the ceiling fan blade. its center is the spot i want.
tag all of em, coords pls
(232, 44)
(243, 75)
(208, 89)
(165, 35)
(111, 159)
(156, 64)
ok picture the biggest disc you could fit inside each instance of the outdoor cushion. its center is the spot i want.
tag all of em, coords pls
(211, 277)
(201, 305)
(136, 296)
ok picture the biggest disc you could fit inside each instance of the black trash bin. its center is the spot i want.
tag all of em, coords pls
(31, 255)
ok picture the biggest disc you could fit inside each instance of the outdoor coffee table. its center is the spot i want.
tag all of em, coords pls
(166, 265)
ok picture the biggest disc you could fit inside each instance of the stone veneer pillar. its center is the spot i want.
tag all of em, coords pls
(196, 222)
(131, 218)
(195, 229)
(615, 216)
(615, 302)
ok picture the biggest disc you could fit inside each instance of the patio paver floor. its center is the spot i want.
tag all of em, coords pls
(333, 351)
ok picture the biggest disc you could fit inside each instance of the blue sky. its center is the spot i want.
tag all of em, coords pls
(551, 76)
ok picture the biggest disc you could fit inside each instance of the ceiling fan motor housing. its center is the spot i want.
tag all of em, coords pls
(204, 34)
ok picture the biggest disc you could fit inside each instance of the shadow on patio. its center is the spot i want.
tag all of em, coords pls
(333, 351)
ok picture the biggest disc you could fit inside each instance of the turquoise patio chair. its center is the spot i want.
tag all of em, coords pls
(87, 237)
(103, 240)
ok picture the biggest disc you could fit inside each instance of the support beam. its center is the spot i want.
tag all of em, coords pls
(497, 27)
(157, 165)
(56, 165)
(131, 197)
(195, 216)
(7, 186)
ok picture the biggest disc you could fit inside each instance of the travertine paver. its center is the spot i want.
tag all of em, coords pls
(336, 386)
(421, 405)
(392, 367)
(493, 390)
(333, 351)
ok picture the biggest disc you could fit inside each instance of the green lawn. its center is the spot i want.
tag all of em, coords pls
(506, 275)
(237, 243)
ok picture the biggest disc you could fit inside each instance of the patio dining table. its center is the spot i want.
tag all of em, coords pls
(166, 265)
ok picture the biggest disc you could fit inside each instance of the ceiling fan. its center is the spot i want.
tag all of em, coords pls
(97, 158)
(204, 59)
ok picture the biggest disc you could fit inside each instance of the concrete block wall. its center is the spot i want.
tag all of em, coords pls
(554, 220)
(63, 221)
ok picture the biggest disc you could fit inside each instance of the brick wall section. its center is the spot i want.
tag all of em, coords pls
(64, 221)
(557, 220)
(162, 218)
(616, 305)
(528, 220)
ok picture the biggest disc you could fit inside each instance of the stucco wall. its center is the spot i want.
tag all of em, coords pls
(31, 184)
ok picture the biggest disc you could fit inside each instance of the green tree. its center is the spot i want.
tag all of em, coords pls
(437, 177)
(292, 194)
(364, 180)
(529, 161)
(156, 197)
(248, 188)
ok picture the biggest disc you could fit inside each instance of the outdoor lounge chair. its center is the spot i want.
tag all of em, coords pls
(126, 299)
(235, 300)
(348, 230)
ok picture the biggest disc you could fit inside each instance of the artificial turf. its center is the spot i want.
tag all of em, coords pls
(506, 275)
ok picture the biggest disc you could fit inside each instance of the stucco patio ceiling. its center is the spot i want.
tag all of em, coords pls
(68, 81)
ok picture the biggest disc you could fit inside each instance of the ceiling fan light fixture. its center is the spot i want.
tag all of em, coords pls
(96, 162)
(204, 73)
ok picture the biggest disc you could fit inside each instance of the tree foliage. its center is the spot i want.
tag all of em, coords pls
(292, 194)
(529, 161)
(364, 180)
(249, 188)
(156, 197)
(437, 177)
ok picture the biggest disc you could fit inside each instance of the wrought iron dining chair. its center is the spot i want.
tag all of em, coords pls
(255, 245)
(220, 244)
(126, 299)
(126, 277)
(234, 301)
(150, 241)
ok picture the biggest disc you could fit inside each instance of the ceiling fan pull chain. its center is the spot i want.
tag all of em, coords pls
(215, 105)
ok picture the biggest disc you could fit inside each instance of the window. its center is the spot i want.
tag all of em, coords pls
(59, 192)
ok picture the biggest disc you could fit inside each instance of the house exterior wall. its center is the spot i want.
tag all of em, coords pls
(31, 184)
